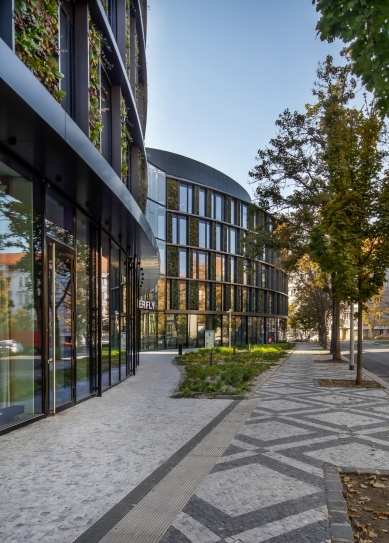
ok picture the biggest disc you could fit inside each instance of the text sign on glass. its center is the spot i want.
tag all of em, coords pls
(146, 305)
(209, 338)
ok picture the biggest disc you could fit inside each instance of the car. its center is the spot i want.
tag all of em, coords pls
(12, 345)
(382, 336)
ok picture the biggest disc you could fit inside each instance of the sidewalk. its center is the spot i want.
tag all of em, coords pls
(59, 475)
(268, 485)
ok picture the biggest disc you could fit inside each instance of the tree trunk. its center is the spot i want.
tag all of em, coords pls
(359, 347)
(335, 336)
(323, 331)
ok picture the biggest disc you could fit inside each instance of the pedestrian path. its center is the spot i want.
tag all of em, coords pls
(268, 485)
(60, 475)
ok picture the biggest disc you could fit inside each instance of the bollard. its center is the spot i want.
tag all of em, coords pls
(211, 357)
(180, 349)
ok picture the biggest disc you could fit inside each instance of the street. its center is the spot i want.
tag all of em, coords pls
(375, 357)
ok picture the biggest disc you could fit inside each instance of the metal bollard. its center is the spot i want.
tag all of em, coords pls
(180, 349)
(211, 357)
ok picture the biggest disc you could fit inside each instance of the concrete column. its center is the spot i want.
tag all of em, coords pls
(81, 68)
(7, 27)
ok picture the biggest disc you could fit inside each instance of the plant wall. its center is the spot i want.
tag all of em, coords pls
(36, 41)
(193, 295)
(175, 294)
(142, 183)
(172, 261)
(126, 138)
(172, 193)
(193, 231)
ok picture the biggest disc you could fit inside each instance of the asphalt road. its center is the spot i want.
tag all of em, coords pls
(375, 357)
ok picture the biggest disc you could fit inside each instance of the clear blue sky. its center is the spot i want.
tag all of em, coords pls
(220, 72)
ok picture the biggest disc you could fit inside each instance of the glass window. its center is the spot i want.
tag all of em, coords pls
(194, 265)
(115, 314)
(203, 265)
(85, 300)
(218, 207)
(105, 336)
(190, 199)
(243, 220)
(182, 228)
(174, 229)
(219, 267)
(231, 240)
(162, 254)
(233, 212)
(219, 238)
(182, 263)
(156, 216)
(182, 294)
(232, 269)
(202, 203)
(202, 296)
(204, 234)
(157, 185)
(123, 316)
(20, 324)
(59, 218)
(183, 198)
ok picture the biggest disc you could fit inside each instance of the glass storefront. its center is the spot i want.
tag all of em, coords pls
(49, 346)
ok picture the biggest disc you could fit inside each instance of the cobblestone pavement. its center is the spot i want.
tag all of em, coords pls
(59, 475)
(268, 485)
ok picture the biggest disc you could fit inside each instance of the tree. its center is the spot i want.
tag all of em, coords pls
(364, 26)
(350, 240)
(293, 181)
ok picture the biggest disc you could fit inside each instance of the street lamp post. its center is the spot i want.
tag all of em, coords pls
(229, 327)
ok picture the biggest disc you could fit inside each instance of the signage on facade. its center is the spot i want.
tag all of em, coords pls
(146, 305)
(209, 338)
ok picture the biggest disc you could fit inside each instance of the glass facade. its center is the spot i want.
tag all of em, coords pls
(52, 277)
(204, 272)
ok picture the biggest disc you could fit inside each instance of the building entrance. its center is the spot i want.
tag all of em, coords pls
(61, 350)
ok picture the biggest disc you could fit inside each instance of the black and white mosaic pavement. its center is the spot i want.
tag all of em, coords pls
(268, 486)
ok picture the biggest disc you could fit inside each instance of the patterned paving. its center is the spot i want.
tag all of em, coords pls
(268, 485)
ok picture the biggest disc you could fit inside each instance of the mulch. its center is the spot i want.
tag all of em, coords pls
(367, 498)
(347, 383)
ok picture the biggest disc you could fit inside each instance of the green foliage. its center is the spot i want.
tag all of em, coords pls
(231, 373)
(172, 193)
(196, 209)
(193, 231)
(36, 41)
(209, 203)
(175, 294)
(126, 138)
(364, 26)
(169, 227)
(193, 295)
(95, 117)
(128, 37)
(172, 261)
(142, 183)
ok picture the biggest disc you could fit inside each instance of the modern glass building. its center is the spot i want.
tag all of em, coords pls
(199, 217)
(76, 250)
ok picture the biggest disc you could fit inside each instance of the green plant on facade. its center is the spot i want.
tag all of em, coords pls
(193, 295)
(193, 231)
(190, 263)
(172, 193)
(128, 37)
(213, 267)
(196, 200)
(142, 183)
(126, 138)
(172, 261)
(169, 236)
(36, 41)
(95, 116)
(105, 5)
(175, 294)
(209, 203)
(228, 203)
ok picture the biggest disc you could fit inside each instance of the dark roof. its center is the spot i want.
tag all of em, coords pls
(187, 168)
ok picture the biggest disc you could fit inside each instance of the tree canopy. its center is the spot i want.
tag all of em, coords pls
(364, 26)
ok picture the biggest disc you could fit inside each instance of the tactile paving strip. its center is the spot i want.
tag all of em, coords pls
(148, 521)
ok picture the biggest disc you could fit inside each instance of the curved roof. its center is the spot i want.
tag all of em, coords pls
(187, 168)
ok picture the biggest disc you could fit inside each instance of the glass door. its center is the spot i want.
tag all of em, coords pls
(61, 326)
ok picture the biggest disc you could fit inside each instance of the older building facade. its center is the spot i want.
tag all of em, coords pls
(76, 250)
(199, 217)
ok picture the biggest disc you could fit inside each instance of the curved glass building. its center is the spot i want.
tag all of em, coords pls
(76, 250)
(199, 217)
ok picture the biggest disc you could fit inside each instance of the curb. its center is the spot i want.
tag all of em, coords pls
(375, 378)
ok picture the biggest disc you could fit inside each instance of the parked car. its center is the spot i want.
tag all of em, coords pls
(382, 336)
(315, 338)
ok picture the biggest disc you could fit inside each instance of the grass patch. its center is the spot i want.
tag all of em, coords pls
(231, 373)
